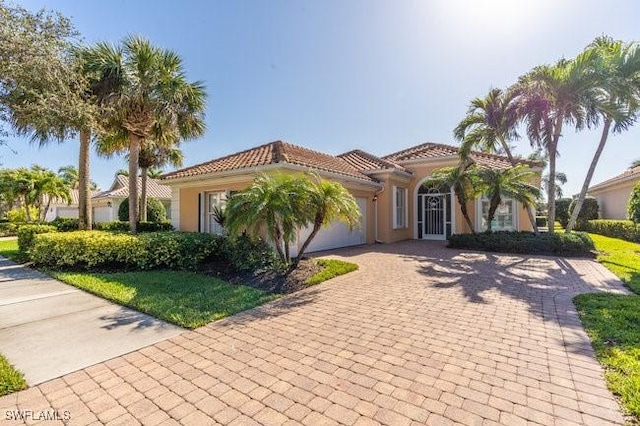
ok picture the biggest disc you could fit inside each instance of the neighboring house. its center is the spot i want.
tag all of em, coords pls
(63, 209)
(105, 204)
(394, 204)
(613, 194)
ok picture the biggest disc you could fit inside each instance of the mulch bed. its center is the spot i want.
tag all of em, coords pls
(271, 282)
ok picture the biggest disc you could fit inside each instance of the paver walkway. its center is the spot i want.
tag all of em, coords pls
(48, 328)
(419, 335)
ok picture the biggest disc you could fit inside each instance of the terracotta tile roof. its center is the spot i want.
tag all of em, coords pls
(365, 162)
(120, 189)
(272, 153)
(628, 174)
(436, 150)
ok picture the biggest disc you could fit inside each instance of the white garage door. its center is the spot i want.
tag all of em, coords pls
(337, 234)
(68, 212)
(102, 214)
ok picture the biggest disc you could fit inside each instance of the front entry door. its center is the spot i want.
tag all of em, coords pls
(434, 216)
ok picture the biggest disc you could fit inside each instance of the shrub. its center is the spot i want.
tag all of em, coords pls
(179, 250)
(250, 254)
(633, 206)
(9, 229)
(560, 244)
(118, 226)
(65, 224)
(562, 211)
(622, 229)
(27, 233)
(155, 211)
(19, 215)
(88, 250)
(589, 211)
(541, 221)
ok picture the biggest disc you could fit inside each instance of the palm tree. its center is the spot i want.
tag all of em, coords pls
(272, 203)
(551, 96)
(48, 187)
(491, 126)
(618, 68)
(635, 163)
(513, 182)
(463, 180)
(154, 95)
(71, 176)
(328, 202)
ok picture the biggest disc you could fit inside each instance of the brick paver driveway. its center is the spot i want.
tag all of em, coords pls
(419, 334)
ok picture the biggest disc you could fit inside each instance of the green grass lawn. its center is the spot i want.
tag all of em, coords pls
(9, 249)
(11, 380)
(613, 321)
(332, 268)
(185, 298)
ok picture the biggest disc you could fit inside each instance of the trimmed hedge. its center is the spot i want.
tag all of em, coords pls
(91, 250)
(27, 233)
(9, 229)
(622, 229)
(559, 244)
(65, 224)
(119, 226)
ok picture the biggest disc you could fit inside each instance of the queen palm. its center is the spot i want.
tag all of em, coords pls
(514, 182)
(551, 96)
(618, 67)
(491, 126)
(464, 181)
(154, 94)
(328, 202)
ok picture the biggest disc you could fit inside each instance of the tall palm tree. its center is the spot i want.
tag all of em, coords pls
(464, 180)
(328, 202)
(618, 67)
(512, 183)
(154, 95)
(491, 126)
(49, 187)
(551, 96)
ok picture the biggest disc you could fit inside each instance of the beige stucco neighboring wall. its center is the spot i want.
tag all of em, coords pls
(612, 200)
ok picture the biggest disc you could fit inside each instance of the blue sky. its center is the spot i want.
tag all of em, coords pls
(335, 75)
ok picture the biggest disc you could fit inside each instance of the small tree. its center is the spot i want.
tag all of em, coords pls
(511, 183)
(633, 206)
(589, 211)
(156, 211)
(464, 181)
(562, 211)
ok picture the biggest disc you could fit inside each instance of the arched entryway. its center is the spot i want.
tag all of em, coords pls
(435, 214)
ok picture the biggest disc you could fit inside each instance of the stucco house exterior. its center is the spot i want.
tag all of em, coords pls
(389, 190)
(63, 209)
(105, 204)
(613, 194)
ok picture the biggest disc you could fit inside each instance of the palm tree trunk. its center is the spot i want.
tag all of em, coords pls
(27, 208)
(84, 190)
(143, 194)
(316, 227)
(551, 195)
(513, 162)
(587, 180)
(46, 210)
(465, 214)
(134, 151)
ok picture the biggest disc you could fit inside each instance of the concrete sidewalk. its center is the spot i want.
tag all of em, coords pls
(48, 328)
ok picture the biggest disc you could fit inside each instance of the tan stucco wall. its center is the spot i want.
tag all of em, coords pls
(612, 201)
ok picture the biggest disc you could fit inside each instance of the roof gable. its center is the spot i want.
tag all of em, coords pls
(277, 152)
(365, 162)
(120, 189)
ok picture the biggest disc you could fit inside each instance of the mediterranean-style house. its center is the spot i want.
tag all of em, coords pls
(63, 209)
(613, 194)
(105, 204)
(389, 190)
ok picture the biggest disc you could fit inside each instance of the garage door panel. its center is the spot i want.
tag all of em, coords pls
(337, 234)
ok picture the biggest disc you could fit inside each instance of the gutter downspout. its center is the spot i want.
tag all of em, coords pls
(375, 200)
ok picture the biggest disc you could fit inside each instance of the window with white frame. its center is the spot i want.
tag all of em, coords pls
(215, 202)
(399, 207)
(504, 218)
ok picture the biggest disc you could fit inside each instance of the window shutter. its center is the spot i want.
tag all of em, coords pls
(201, 208)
